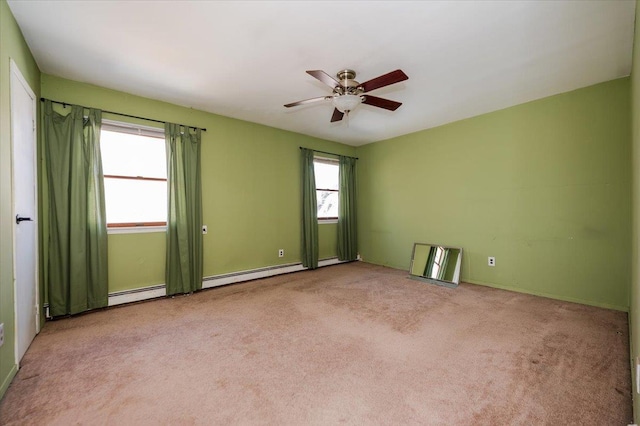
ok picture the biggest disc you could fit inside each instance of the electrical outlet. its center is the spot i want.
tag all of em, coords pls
(204, 230)
(281, 253)
(492, 261)
(1, 334)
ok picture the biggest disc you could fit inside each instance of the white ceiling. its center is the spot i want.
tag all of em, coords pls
(247, 59)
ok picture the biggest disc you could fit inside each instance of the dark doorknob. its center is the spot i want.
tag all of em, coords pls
(22, 219)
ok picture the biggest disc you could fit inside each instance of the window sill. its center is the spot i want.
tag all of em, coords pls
(136, 229)
(327, 221)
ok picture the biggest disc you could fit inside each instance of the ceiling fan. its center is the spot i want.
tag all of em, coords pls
(348, 93)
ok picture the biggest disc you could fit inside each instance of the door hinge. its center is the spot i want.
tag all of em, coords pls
(33, 123)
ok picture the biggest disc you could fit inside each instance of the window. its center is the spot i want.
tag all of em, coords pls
(327, 176)
(135, 174)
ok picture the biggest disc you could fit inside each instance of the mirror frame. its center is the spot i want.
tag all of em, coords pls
(450, 284)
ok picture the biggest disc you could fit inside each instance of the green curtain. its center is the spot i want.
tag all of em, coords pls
(347, 218)
(76, 277)
(183, 272)
(310, 245)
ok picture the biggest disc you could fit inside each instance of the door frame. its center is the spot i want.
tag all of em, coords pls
(15, 72)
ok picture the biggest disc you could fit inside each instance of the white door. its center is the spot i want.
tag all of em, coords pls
(25, 252)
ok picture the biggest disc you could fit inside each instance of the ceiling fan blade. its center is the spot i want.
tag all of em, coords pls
(337, 115)
(324, 77)
(381, 102)
(384, 80)
(307, 101)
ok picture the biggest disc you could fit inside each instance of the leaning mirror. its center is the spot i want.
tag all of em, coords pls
(436, 264)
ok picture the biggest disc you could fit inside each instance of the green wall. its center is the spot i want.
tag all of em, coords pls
(12, 45)
(544, 187)
(634, 312)
(251, 189)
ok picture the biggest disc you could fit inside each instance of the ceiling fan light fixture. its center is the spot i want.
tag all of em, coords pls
(345, 103)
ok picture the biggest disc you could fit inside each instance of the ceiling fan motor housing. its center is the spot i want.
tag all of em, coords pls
(348, 86)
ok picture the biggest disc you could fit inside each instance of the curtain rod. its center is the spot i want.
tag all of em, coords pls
(64, 104)
(330, 153)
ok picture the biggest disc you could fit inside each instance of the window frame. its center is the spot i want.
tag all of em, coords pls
(332, 161)
(139, 130)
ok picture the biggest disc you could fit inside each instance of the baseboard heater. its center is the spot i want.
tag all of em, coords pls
(154, 291)
(138, 294)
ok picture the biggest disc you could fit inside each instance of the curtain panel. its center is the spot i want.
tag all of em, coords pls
(347, 214)
(310, 244)
(183, 272)
(76, 277)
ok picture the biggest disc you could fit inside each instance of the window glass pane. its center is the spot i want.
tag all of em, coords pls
(135, 201)
(132, 155)
(326, 175)
(327, 204)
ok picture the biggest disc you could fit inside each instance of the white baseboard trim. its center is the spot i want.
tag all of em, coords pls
(254, 274)
(146, 293)
(136, 295)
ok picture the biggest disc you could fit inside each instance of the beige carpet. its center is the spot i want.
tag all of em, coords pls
(346, 344)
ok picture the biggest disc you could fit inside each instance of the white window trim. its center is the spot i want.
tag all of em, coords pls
(142, 130)
(326, 221)
(333, 161)
(327, 160)
(134, 129)
(136, 229)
